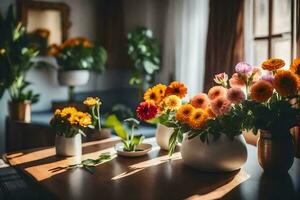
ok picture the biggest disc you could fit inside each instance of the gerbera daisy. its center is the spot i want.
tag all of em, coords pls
(160, 89)
(273, 64)
(146, 111)
(197, 118)
(210, 113)
(235, 95)
(90, 101)
(295, 67)
(184, 112)
(285, 83)
(220, 105)
(172, 102)
(216, 92)
(176, 88)
(200, 101)
(152, 95)
(261, 91)
(237, 81)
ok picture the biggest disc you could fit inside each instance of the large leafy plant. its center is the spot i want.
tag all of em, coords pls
(16, 53)
(144, 51)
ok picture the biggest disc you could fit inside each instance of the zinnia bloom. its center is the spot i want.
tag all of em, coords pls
(200, 101)
(53, 50)
(243, 68)
(220, 105)
(146, 111)
(197, 118)
(221, 78)
(176, 88)
(235, 95)
(295, 67)
(152, 95)
(160, 89)
(216, 91)
(210, 113)
(184, 112)
(261, 91)
(237, 81)
(285, 83)
(90, 101)
(273, 64)
(172, 102)
(67, 111)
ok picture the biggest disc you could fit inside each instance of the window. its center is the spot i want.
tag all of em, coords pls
(273, 30)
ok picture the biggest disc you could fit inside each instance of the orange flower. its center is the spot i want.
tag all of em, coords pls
(152, 95)
(216, 92)
(273, 64)
(53, 50)
(200, 101)
(176, 88)
(285, 83)
(210, 113)
(261, 91)
(90, 101)
(237, 81)
(220, 105)
(161, 89)
(184, 113)
(295, 67)
(197, 118)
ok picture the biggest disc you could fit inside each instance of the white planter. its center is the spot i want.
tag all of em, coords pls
(68, 146)
(73, 77)
(163, 135)
(222, 155)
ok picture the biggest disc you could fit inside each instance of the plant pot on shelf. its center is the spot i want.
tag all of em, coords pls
(73, 77)
(221, 155)
(162, 135)
(95, 134)
(275, 155)
(68, 146)
(20, 111)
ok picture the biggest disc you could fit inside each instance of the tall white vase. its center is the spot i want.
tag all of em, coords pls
(68, 146)
(163, 135)
(222, 155)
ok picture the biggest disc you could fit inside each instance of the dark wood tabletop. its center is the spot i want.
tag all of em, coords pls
(154, 176)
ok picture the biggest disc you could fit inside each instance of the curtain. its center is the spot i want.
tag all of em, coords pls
(191, 20)
(225, 41)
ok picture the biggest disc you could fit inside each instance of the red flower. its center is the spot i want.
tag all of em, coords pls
(146, 111)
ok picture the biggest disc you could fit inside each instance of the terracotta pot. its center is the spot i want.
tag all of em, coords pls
(275, 155)
(68, 146)
(20, 111)
(163, 135)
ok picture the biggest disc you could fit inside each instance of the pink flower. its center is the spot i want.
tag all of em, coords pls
(268, 77)
(200, 101)
(221, 78)
(235, 95)
(216, 91)
(146, 111)
(257, 72)
(243, 68)
(220, 105)
(237, 81)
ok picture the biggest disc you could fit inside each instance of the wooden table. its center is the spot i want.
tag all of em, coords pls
(154, 176)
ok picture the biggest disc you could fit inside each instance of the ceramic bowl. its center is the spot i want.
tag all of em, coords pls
(142, 149)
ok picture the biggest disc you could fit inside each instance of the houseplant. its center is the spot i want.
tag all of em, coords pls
(144, 51)
(69, 124)
(76, 57)
(273, 115)
(16, 53)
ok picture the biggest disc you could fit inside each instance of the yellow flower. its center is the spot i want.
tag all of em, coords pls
(57, 112)
(273, 64)
(160, 89)
(2, 51)
(68, 111)
(172, 102)
(80, 118)
(197, 118)
(285, 83)
(90, 101)
(152, 95)
(184, 112)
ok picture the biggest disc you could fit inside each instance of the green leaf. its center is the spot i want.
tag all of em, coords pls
(112, 121)
(137, 139)
(132, 122)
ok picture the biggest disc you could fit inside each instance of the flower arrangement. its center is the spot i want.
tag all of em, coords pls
(94, 103)
(79, 54)
(69, 121)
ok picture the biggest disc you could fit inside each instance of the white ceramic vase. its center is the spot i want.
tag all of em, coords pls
(163, 135)
(68, 146)
(222, 155)
(73, 77)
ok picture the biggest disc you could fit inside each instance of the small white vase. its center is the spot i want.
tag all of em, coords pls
(222, 155)
(73, 77)
(68, 146)
(162, 135)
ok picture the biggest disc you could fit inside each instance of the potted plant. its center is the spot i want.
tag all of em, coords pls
(76, 57)
(132, 145)
(144, 51)
(69, 124)
(16, 53)
(273, 115)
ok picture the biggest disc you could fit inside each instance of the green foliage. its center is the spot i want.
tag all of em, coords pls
(130, 141)
(18, 94)
(144, 51)
(15, 57)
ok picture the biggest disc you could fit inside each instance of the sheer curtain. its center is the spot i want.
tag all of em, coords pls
(191, 21)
